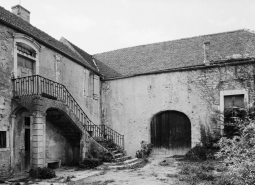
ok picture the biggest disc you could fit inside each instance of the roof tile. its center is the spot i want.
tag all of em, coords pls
(178, 53)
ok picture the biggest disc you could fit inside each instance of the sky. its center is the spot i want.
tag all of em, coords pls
(98, 26)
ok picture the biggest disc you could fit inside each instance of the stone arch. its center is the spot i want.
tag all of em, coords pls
(63, 137)
(30, 44)
(170, 133)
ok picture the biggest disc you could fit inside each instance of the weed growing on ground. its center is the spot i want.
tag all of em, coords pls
(145, 151)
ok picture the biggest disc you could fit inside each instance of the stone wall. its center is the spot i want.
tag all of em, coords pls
(53, 66)
(129, 104)
(6, 67)
(57, 146)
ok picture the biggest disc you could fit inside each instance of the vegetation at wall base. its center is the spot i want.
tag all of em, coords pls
(42, 173)
(235, 155)
(145, 151)
(90, 163)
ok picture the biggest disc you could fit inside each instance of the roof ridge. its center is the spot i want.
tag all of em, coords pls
(155, 43)
(9, 18)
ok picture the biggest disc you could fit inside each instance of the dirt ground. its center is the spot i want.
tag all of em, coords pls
(159, 170)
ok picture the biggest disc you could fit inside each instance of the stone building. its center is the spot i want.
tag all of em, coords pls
(52, 93)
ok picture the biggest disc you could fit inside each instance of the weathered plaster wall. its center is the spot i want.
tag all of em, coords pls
(53, 66)
(61, 69)
(6, 67)
(128, 105)
(57, 146)
(18, 141)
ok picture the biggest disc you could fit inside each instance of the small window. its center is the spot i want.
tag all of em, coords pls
(2, 139)
(27, 121)
(86, 83)
(91, 84)
(96, 87)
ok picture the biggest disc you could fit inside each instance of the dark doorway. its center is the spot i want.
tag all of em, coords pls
(171, 133)
(27, 142)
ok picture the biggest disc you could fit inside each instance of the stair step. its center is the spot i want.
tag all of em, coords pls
(124, 165)
(124, 158)
(118, 155)
(128, 161)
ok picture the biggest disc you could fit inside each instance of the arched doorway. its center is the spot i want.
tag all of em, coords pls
(21, 140)
(170, 133)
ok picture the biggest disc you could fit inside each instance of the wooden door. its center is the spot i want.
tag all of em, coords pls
(170, 133)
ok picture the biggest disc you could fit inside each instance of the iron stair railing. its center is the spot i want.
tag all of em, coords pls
(38, 85)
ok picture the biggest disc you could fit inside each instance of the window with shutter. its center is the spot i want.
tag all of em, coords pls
(86, 83)
(96, 87)
(91, 85)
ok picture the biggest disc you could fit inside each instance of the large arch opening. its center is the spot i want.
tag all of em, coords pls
(62, 138)
(170, 133)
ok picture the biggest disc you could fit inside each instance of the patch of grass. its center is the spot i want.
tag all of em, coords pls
(200, 172)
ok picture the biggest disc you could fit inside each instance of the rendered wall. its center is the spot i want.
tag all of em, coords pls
(61, 69)
(6, 67)
(128, 105)
(68, 73)
(57, 146)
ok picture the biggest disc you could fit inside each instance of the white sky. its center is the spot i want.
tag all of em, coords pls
(103, 25)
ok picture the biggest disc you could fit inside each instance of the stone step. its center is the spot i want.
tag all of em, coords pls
(118, 155)
(128, 161)
(115, 151)
(124, 158)
(124, 165)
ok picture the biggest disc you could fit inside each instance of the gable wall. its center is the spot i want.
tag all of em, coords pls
(128, 105)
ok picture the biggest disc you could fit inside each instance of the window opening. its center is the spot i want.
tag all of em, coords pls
(2, 139)
(233, 112)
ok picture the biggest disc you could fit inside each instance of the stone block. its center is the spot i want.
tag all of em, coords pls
(38, 120)
(37, 150)
(37, 162)
(37, 144)
(37, 126)
(38, 155)
(38, 132)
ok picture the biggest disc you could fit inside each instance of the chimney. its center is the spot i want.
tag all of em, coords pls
(206, 53)
(21, 12)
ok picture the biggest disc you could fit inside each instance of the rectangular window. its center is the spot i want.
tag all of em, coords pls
(2, 139)
(96, 87)
(27, 121)
(86, 83)
(91, 84)
(234, 101)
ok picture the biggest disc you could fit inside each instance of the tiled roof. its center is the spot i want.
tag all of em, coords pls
(84, 55)
(178, 53)
(107, 71)
(103, 69)
(11, 19)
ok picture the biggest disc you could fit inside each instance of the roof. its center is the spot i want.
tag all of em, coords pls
(84, 55)
(176, 54)
(20, 25)
(98, 65)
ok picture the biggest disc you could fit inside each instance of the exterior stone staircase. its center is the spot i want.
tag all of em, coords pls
(26, 88)
(120, 159)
